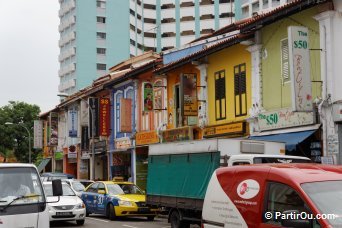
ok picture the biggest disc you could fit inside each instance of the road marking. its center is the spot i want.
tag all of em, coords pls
(129, 226)
(97, 219)
(166, 227)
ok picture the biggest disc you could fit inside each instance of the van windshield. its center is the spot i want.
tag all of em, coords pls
(260, 160)
(20, 182)
(327, 196)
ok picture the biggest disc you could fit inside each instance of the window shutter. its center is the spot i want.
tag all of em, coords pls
(285, 60)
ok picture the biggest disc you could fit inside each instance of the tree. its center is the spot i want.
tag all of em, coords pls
(14, 137)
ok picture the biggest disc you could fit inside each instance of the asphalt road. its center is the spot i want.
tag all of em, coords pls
(102, 222)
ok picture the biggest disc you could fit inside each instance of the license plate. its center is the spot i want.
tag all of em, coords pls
(63, 213)
(144, 209)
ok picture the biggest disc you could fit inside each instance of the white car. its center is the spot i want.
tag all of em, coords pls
(75, 185)
(69, 207)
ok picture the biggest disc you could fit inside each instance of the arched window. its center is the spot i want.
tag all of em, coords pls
(158, 95)
(117, 98)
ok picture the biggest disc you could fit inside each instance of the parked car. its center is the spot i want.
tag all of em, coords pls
(86, 183)
(52, 176)
(75, 185)
(117, 199)
(69, 207)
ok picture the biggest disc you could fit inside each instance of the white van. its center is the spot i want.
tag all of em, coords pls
(22, 198)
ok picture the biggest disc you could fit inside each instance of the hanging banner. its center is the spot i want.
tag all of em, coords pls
(53, 123)
(148, 97)
(94, 106)
(72, 123)
(38, 134)
(84, 138)
(300, 68)
(84, 115)
(126, 115)
(189, 88)
(104, 116)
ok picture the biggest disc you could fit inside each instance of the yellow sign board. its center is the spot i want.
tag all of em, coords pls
(224, 129)
(144, 138)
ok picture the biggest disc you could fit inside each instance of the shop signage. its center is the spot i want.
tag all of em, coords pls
(38, 134)
(72, 123)
(143, 138)
(104, 116)
(85, 155)
(84, 138)
(332, 144)
(233, 128)
(100, 147)
(59, 155)
(177, 134)
(84, 115)
(299, 57)
(148, 97)
(72, 152)
(283, 119)
(189, 88)
(53, 123)
(94, 106)
(84, 169)
(123, 143)
(126, 115)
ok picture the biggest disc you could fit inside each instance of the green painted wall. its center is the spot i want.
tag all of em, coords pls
(277, 94)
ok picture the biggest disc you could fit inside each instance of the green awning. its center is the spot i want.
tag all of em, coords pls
(43, 163)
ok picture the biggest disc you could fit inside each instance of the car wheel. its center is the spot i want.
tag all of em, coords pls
(80, 222)
(150, 218)
(111, 212)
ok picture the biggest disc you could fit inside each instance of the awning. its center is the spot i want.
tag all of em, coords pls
(290, 139)
(43, 163)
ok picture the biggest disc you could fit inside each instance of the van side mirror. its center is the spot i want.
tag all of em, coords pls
(57, 188)
(300, 223)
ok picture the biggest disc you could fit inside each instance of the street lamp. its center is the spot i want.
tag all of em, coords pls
(29, 135)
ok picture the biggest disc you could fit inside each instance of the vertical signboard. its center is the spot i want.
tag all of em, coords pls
(126, 115)
(94, 105)
(189, 88)
(84, 138)
(72, 123)
(300, 68)
(38, 134)
(148, 97)
(104, 116)
(84, 115)
(53, 123)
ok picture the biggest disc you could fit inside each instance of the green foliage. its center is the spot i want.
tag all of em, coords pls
(15, 137)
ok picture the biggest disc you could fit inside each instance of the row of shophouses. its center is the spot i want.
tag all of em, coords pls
(273, 77)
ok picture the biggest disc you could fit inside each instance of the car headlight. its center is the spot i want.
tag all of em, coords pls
(125, 203)
(80, 206)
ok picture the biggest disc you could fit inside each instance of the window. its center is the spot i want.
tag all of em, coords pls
(149, 6)
(207, 16)
(101, 4)
(187, 4)
(187, 33)
(220, 95)
(132, 12)
(207, 31)
(168, 6)
(168, 20)
(150, 20)
(284, 48)
(149, 34)
(101, 20)
(282, 198)
(206, 2)
(101, 35)
(101, 66)
(240, 90)
(101, 187)
(117, 101)
(101, 51)
(187, 18)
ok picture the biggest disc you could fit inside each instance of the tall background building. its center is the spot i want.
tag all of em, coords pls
(95, 35)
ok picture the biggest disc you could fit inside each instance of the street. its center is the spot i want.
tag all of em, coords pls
(100, 221)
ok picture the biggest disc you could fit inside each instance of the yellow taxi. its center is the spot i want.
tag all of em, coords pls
(117, 199)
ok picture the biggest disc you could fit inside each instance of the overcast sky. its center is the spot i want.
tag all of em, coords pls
(29, 52)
